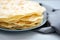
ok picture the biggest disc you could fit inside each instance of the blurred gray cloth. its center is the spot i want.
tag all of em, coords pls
(54, 19)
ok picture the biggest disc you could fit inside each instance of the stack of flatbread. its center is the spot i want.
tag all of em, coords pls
(20, 14)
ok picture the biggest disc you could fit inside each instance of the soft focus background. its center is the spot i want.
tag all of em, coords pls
(53, 3)
(33, 35)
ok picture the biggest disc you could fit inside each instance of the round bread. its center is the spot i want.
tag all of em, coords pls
(20, 13)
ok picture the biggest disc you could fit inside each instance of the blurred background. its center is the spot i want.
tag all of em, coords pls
(53, 3)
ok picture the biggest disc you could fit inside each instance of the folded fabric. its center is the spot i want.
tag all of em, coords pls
(54, 19)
